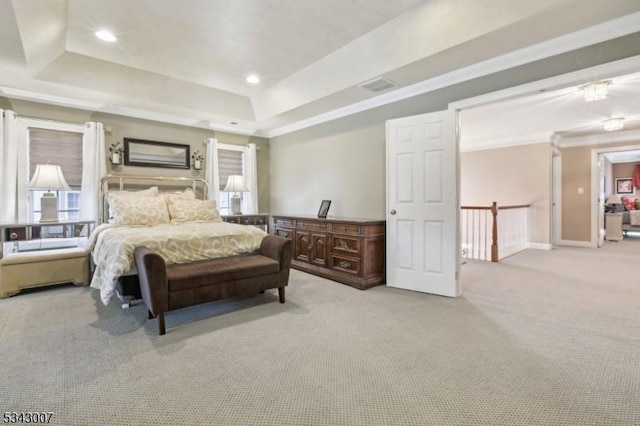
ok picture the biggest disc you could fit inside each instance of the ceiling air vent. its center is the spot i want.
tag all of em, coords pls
(378, 84)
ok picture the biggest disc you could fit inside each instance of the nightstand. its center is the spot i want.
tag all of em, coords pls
(261, 220)
(613, 226)
(42, 254)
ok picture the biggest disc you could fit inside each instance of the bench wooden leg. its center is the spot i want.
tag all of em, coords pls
(281, 294)
(161, 327)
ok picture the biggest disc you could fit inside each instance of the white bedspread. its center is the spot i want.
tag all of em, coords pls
(112, 246)
(634, 217)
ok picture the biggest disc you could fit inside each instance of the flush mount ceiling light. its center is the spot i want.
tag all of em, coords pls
(106, 36)
(253, 79)
(613, 124)
(596, 91)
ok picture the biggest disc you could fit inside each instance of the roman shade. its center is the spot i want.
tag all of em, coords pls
(57, 147)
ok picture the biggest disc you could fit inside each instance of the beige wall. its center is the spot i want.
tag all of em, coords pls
(118, 127)
(511, 176)
(346, 167)
(576, 173)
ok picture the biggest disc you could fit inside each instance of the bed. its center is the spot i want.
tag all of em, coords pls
(172, 217)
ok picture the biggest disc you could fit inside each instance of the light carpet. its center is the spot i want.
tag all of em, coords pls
(542, 338)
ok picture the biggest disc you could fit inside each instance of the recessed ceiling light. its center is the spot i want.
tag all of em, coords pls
(106, 36)
(253, 79)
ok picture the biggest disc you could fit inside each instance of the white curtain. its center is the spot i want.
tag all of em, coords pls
(211, 170)
(9, 166)
(94, 168)
(250, 199)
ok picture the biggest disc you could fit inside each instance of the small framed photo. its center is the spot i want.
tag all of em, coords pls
(324, 209)
(624, 186)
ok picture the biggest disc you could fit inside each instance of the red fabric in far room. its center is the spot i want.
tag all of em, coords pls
(635, 180)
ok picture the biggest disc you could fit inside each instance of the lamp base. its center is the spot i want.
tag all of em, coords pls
(235, 205)
(49, 207)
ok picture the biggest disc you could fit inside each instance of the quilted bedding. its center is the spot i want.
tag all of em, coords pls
(112, 246)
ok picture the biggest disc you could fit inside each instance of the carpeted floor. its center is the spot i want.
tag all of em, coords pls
(543, 338)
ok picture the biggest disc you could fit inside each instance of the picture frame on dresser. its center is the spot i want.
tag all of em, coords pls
(324, 209)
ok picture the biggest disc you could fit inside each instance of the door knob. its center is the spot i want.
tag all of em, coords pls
(393, 211)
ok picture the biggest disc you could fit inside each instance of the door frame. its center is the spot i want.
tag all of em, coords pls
(561, 81)
(595, 180)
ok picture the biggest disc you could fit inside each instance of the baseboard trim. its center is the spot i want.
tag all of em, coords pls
(539, 246)
(575, 243)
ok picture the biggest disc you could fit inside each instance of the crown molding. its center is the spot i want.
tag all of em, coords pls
(602, 139)
(531, 139)
(27, 95)
(142, 114)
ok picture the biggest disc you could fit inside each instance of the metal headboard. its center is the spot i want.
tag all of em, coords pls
(135, 182)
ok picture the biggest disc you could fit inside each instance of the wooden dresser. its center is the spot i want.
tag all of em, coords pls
(350, 251)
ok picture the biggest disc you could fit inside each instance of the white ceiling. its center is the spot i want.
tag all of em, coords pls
(185, 61)
(554, 115)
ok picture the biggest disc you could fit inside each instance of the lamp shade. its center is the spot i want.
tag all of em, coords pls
(235, 183)
(48, 177)
(613, 199)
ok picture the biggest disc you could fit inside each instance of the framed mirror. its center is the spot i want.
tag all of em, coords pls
(138, 152)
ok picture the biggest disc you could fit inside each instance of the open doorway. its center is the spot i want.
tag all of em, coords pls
(499, 162)
(621, 210)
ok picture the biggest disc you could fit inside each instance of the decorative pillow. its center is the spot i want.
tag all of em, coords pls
(149, 192)
(187, 194)
(182, 210)
(636, 204)
(138, 211)
(628, 203)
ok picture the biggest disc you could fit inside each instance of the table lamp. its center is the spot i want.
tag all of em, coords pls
(48, 177)
(614, 201)
(235, 184)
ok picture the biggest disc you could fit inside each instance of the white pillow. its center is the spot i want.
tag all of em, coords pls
(149, 192)
(192, 210)
(187, 194)
(138, 211)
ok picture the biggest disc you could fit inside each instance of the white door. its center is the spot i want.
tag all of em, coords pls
(422, 210)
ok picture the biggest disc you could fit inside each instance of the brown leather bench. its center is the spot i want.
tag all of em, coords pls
(169, 287)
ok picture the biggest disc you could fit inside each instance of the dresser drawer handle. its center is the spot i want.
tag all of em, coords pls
(13, 235)
(345, 264)
(343, 244)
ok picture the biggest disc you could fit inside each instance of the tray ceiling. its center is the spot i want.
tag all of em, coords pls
(186, 62)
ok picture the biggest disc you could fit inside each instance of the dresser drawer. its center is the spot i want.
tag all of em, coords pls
(284, 222)
(346, 244)
(15, 234)
(344, 264)
(345, 228)
(284, 232)
(253, 220)
(316, 226)
(231, 219)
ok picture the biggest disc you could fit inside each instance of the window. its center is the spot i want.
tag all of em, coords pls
(230, 162)
(62, 148)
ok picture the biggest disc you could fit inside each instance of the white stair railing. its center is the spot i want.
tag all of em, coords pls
(483, 238)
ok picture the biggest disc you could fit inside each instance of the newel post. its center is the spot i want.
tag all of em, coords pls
(494, 231)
